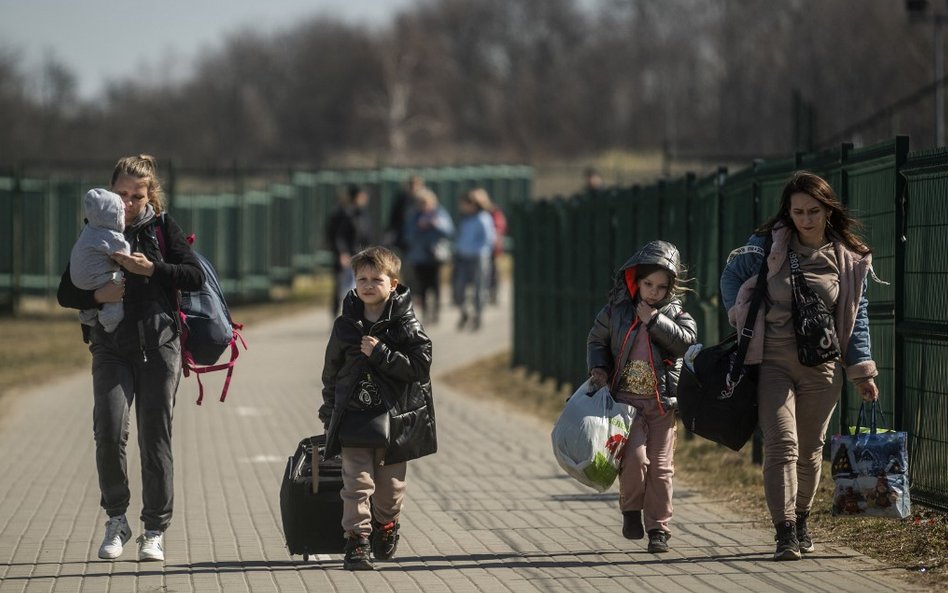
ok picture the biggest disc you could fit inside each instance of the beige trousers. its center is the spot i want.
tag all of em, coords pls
(369, 488)
(795, 406)
(645, 476)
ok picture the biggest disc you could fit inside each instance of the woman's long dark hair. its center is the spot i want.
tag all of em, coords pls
(840, 223)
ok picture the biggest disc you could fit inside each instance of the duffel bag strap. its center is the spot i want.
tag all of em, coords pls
(747, 332)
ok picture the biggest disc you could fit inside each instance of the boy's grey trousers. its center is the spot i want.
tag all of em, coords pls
(121, 376)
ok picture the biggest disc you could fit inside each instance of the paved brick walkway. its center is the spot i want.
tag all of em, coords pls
(490, 512)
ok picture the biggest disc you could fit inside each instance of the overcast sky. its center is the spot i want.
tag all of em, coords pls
(102, 40)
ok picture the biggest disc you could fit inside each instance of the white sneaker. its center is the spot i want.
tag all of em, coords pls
(117, 534)
(150, 546)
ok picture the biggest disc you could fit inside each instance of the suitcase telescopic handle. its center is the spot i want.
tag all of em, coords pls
(315, 464)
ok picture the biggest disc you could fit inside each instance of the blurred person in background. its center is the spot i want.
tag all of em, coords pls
(402, 206)
(592, 181)
(472, 252)
(428, 233)
(500, 231)
(349, 231)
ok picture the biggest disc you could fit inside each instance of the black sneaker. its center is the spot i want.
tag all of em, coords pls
(384, 540)
(658, 541)
(803, 536)
(357, 554)
(632, 525)
(788, 548)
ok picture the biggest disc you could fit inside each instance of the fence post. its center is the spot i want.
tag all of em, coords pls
(843, 405)
(757, 446)
(16, 288)
(901, 230)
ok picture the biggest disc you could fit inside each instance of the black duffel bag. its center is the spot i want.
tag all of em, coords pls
(711, 405)
(717, 392)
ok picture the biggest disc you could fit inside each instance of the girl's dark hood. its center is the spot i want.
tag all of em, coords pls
(661, 253)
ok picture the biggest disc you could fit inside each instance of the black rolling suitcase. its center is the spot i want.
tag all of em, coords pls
(312, 509)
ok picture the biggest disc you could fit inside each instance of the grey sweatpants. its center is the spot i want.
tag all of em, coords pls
(121, 377)
(795, 405)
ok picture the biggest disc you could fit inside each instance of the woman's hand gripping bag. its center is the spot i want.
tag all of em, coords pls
(590, 435)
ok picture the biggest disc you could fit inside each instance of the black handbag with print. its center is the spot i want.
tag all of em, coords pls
(365, 423)
(813, 323)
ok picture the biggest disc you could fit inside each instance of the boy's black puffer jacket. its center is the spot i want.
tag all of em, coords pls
(400, 365)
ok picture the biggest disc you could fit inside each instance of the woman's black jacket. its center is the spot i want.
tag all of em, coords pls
(151, 318)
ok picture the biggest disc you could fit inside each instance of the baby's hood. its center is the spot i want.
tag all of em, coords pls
(104, 209)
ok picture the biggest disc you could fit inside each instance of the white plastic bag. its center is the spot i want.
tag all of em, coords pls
(590, 435)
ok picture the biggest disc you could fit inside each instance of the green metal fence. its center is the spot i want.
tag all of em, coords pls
(568, 249)
(257, 230)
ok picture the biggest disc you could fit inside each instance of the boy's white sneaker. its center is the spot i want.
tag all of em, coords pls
(150, 546)
(117, 534)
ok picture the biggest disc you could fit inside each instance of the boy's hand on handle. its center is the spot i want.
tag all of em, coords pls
(135, 263)
(868, 390)
(110, 293)
(368, 344)
(597, 379)
(645, 311)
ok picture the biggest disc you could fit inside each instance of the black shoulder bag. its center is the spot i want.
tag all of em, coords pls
(717, 396)
(813, 323)
(365, 422)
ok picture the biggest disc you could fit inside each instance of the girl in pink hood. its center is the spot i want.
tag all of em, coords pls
(635, 347)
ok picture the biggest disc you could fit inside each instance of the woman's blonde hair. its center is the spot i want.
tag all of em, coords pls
(142, 166)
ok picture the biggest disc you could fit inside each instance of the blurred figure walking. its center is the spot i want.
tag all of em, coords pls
(401, 213)
(497, 250)
(472, 252)
(428, 233)
(348, 232)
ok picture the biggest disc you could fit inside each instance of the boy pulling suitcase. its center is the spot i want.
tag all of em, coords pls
(377, 406)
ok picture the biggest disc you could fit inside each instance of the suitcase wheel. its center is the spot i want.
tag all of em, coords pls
(305, 557)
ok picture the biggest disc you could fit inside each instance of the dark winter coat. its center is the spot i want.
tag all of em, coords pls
(349, 230)
(400, 364)
(670, 333)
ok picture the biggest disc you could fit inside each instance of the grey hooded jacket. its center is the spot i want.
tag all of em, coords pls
(670, 332)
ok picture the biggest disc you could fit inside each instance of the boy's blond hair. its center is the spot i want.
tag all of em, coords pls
(380, 258)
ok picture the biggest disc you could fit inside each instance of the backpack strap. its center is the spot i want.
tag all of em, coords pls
(160, 235)
(189, 366)
(743, 341)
